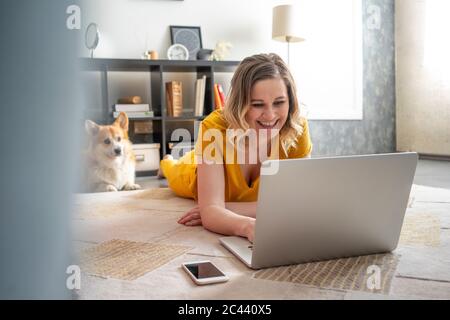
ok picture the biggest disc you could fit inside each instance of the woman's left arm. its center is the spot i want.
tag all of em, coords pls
(247, 209)
(192, 217)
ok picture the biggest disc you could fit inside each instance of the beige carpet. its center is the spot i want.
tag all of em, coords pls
(421, 229)
(155, 194)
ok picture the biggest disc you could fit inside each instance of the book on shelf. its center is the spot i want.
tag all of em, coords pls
(169, 100)
(200, 96)
(217, 100)
(197, 97)
(174, 98)
(132, 107)
(221, 94)
(136, 114)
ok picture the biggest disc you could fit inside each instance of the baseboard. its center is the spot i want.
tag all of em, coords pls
(146, 173)
(424, 156)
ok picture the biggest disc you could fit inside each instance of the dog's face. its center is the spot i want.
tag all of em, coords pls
(108, 142)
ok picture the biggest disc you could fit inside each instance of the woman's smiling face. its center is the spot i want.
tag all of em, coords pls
(269, 105)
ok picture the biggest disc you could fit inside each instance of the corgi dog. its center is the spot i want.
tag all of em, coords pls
(110, 160)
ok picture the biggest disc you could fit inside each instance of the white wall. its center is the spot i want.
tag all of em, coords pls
(130, 27)
(423, 87)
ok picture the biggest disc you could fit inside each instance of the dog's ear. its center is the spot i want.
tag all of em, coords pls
(91, 127)
(122, 121)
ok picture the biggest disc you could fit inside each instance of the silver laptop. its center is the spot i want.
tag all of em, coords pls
(328, 208)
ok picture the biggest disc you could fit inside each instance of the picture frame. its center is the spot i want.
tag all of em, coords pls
(189, 36)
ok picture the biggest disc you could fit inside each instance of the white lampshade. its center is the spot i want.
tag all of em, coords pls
(285, 24)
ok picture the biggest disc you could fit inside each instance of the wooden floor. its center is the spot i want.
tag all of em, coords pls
(131, 247)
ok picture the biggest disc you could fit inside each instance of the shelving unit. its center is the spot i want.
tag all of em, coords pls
(157, 70)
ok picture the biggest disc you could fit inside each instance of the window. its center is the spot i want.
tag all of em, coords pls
(328, 66)
(437, 45)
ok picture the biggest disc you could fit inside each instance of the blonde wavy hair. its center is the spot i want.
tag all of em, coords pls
(251, 70)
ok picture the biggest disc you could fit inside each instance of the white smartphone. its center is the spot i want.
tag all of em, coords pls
(204, 272)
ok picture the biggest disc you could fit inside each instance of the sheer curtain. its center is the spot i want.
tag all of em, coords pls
(423, 76)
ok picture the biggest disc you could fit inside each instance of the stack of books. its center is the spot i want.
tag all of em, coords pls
(200, 86)
(174, 98)
(133, 107)
(219, 96)
(133, 111)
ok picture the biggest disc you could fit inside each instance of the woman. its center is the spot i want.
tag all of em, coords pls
(262, 101)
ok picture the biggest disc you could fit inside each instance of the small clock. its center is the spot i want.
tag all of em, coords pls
(177, 52)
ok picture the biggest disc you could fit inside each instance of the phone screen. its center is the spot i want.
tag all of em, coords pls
(204, 270)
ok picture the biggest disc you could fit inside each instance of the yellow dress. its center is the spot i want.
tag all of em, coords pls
(181, 174)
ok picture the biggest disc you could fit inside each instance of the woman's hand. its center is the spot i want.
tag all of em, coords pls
(191, 218)
(248, 229)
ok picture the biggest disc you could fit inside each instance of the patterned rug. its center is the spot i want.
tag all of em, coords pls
(127, 260)
(344, 274)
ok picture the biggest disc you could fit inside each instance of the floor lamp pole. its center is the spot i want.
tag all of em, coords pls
(289, 51)
(288, 40)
